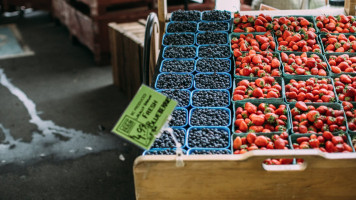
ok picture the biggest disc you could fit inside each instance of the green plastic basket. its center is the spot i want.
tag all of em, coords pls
(332, 74)
(323, 35)
(317, 27)
(337, 76)
(303, 78)
(318, 41)
(279, 80)
(276, 103)
(335, 106)
(275, 54)
(290, 76)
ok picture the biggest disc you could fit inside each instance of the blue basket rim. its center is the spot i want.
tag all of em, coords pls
(214, 108)
(179, 59)
(197, 90)
(216, 20)
(181, 73)
(164, 49)
(228, 25)
(202, 58)
(214, 149)
(208, 127)
(172, 22)
(209, 73)
(200, 13)
(213, 45)
(202, 32)
(179, 33)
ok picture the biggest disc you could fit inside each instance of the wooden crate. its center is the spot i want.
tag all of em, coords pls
(322, 176)
(349, 6)
(126, 41)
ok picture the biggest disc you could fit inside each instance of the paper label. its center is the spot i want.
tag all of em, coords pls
(144, 117)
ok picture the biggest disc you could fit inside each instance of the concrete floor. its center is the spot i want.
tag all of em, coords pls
(56, 112)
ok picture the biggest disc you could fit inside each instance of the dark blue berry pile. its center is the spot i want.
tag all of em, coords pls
(178, 27)
(210, 98)
(213, 65)
(178, 39)
(213, 26)
(166, 140)
(216, 15)
(214, 51)
(211, 38)
(208, 138)
(174, 81)
(179, 117)
(181, 96)
(178, 66)
(162, 152)
(209, 117)
(212, 81)
(179, 52)
(209, 152)
(185, 15)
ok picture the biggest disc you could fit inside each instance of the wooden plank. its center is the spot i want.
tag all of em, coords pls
(323, 176)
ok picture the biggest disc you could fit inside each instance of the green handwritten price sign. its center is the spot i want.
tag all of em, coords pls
(144, 117)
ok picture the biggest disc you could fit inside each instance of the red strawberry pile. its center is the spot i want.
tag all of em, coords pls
(252, 64)
(304, 65)
(345, 87)
(350, 112)
(249, 23)
(311, 90)
(327, 142)
(290, 41)
(338, 24)
(308, 119)
(262, 118)
(248, 42)
(253, 142)
(295, 24)
(339, 43)
(261, 88)
(342, 63)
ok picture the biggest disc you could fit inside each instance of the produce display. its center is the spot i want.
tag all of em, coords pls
(212, 81)
(292, 23)
(261, 88)
(350, 112)
(310, 90)
(178, 39)
(344, 63)
(209, 117)
(179, 27)
(213, 26)
(290, 41)
(338, 43)
(210, 37)
(208, 138)
(253, 64)
(249, 23)
(178, 65)
(317, 119)
(304, 64)
(181, 96)
(210, 98)
(290, 84)
(214, 51)
(345, 86)
(337, 24)
(179, 117)
(259, 42)
(326, 142)
(261, 118)
(213, 65)
(166, 140)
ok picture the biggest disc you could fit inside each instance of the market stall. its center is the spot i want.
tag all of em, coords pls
(247, 82)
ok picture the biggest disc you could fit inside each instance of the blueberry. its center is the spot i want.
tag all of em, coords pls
(209, 117)
(212, 81)
(210, 98)
(166, 140)
(209, 152)
(214, 51)
(213, 26)
(213, 65)
(208, 138)
(185, 15)
(211, 38)
(174, 81)
(181, 96)
(178, 39)
(178, 66)
(179, 52)
(162, 152)
(179, 117)
(177, 27)
(216, 15)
